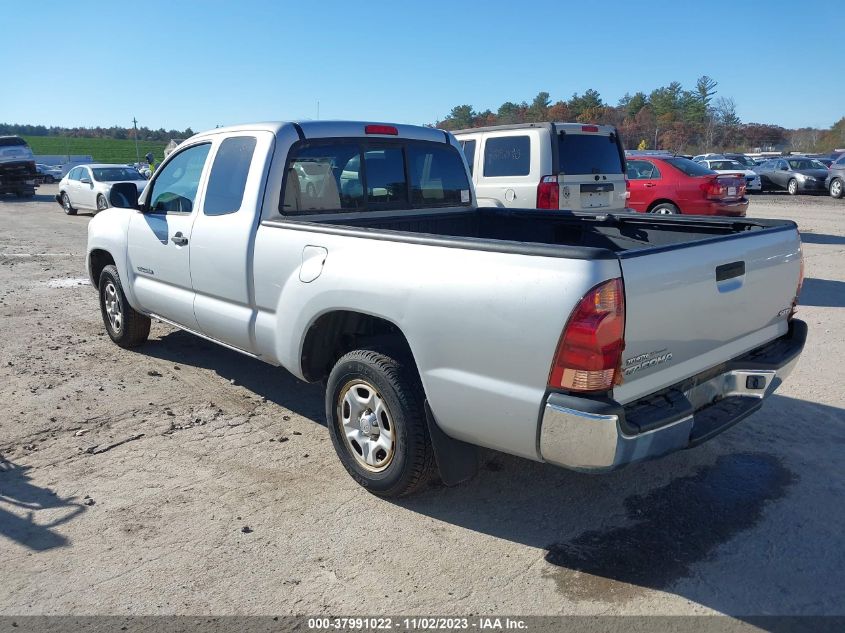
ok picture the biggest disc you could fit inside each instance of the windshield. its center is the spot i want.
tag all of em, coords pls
(589, 154)
(116, 174)
(726, 164)
(805, 163)
(688, 167)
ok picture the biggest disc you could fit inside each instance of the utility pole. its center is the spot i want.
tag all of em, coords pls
(137, 152)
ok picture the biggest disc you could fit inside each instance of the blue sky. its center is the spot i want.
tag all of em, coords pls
(177, 63)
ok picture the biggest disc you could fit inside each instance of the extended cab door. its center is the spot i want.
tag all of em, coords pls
(223, 236)
(159, 237)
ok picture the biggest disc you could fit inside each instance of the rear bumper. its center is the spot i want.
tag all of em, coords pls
(596, 435)
(735, 208)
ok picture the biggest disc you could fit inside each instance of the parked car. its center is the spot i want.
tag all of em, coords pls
(668, 185)
(827, 162)
(583, 340)
(18, 174)
(706, 156)
(49, 173)
(88, 186)
(742, 159)
(796, 174)
(547, 165)
(835, 180)
(728, 166)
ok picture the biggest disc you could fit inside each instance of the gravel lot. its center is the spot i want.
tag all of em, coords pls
(186, 479)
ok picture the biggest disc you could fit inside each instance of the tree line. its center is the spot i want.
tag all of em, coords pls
(669, 117)
(116, 132)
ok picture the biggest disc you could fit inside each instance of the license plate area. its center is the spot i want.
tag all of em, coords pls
(595, 196)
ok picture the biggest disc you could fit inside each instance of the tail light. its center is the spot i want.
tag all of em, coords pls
(627, 189)
(548, 193)
(800, 281)
(589, 354)
(589, 128)
(717, 187)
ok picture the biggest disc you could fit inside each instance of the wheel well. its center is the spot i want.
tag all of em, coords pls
(336, 333)
(662, 201)
(98, 259)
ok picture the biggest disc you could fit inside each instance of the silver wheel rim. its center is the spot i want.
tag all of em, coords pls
(66, 201)
(836, 188)
(663, 211)
(793, 186)
(114, 309)
(366, 425)
(101, 203)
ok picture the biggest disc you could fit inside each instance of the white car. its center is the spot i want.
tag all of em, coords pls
(88, 186)
(728, 166)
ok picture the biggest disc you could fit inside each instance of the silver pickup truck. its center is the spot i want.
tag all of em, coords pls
(354, 254)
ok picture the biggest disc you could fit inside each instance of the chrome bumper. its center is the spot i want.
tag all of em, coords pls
(592, 436)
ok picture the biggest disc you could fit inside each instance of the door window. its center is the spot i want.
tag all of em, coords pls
(226, 184)
(507, 156)
(469, 152)
(174, 189)
(73, 174)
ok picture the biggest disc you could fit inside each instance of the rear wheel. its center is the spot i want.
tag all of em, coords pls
(665, 208)
(376, 419)
(69, 210)
(836, 188)
(125, 326)
(792, 187)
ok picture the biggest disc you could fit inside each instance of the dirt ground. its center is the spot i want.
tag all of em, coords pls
(184, 478)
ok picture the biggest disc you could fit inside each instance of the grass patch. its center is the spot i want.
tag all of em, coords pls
(102, 150)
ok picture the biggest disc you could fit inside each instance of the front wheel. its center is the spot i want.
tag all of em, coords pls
(665, 208)
(126, 326)
(836, 188)
(792, 187)
(102, 204)
(69, 210)
(376, 419)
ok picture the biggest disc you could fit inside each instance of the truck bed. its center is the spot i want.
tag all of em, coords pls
(591, 235)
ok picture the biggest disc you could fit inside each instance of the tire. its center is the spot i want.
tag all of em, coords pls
(836, 188)
(376, 419)
(126, 327)
(792, 187)
(665, 208)
(69, 210)
(102, 203)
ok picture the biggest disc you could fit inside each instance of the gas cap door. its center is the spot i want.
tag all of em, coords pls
(313, 258)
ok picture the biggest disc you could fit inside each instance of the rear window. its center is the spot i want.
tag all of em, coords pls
(589, 154)
(357, 176)
(689, 167)
(11, 141)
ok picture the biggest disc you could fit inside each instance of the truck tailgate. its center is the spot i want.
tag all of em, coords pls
(690, 307)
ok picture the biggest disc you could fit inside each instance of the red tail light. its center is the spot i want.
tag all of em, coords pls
(589, 354)
(381, 129)
(627, 189)
(717, 187)
(548, 193)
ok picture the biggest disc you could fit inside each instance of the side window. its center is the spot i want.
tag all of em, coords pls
(782, 165)
(225, 191)
(324, 177)
(73, 174)
(174, 189)
(469, 152)
(84, 173)
(507, 156)
(437, 175)
(642, 170)
(385, 169)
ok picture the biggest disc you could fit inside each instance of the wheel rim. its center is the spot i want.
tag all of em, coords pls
(113, 306)
(101, 203)
(793, 186)
(836, 188)
(663, 211)
(66, 201)
(367, 425)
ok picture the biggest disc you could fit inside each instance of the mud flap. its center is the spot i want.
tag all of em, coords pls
(457, 461)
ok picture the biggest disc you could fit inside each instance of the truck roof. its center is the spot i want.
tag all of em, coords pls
(330, 129)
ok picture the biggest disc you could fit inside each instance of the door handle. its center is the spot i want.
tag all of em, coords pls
(649, 184)
(179, 239)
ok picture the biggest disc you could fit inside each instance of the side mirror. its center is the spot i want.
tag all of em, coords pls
(85, 181)
(124, 195)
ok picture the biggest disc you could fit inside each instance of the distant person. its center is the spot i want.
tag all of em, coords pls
(151, 160)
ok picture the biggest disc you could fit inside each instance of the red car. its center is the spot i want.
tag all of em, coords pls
(670, 184)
